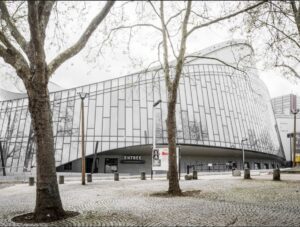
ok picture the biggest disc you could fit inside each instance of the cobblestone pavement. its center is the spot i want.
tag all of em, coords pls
(222, 201)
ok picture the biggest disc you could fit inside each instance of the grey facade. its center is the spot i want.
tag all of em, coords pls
(217, 107)
(285, 119)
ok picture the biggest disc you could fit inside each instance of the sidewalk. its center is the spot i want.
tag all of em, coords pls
(218, 200)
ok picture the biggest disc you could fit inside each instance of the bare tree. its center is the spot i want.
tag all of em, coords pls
(173, 25)
(28, 58)
(276, 25)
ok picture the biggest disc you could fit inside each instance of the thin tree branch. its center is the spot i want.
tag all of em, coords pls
(282, 32)
(212, 58)
(137, 25)
(286, 14)
(225, 17)
(166, 67)
(17, 9)
(154, 9)
(288, 56)
(198, 15)
(113, 30)
(292, 56)
(289, 68)
(80, 44)
(12, 27)
(164, 26)
(174, 16)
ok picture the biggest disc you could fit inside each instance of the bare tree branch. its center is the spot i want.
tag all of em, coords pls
(296, 15)
(154, 9)
(225, 17)
(292, 56)
(137, 25)
(180, 59)
(216, 59)
(166, 67)
(11, 50)
(174, 16)
(36, 39)
(289, 68)
(198, 15)
(15, 61)
(282, 32)
(44, 12)
(12, 27)
(80, 44)
(113, 30)
(286, 14)
(164, 26)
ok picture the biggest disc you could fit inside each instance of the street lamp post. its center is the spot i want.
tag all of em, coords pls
(82, 96)
(294, 136)
(242, 142)
(154, 132)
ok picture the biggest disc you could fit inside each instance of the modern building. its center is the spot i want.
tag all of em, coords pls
(283, 107)
(221, 101)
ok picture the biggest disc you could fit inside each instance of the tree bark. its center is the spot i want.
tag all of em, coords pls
(174, 188)
(48, 202)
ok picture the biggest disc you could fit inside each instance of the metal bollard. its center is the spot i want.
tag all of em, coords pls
(31, 181)
(276, 174)
(61, 179)
(143, 176)
(116, 176)
(247, 174)
(89, 177)
(195, 175)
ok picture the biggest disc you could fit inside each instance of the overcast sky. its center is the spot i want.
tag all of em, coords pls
(78, 71)
(115, 63)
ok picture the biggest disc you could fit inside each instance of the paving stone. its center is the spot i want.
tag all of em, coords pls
(222, 201)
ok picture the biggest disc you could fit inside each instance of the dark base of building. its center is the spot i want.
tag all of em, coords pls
(134, 160)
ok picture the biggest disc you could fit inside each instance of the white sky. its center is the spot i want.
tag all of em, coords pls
(115, 63)
(77, 71)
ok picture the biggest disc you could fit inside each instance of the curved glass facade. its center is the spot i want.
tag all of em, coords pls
(217, 106)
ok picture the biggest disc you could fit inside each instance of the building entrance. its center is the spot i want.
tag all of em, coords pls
(89, 164)
(110, 165)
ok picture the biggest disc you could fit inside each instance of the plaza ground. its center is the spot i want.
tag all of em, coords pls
(223, 200)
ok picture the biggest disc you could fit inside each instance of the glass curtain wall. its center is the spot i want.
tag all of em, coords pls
(217, 106)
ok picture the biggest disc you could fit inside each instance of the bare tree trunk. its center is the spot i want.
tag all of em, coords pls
(174, 188)
(48, 202)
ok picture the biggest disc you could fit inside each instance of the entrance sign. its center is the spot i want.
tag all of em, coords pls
(160, 158)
